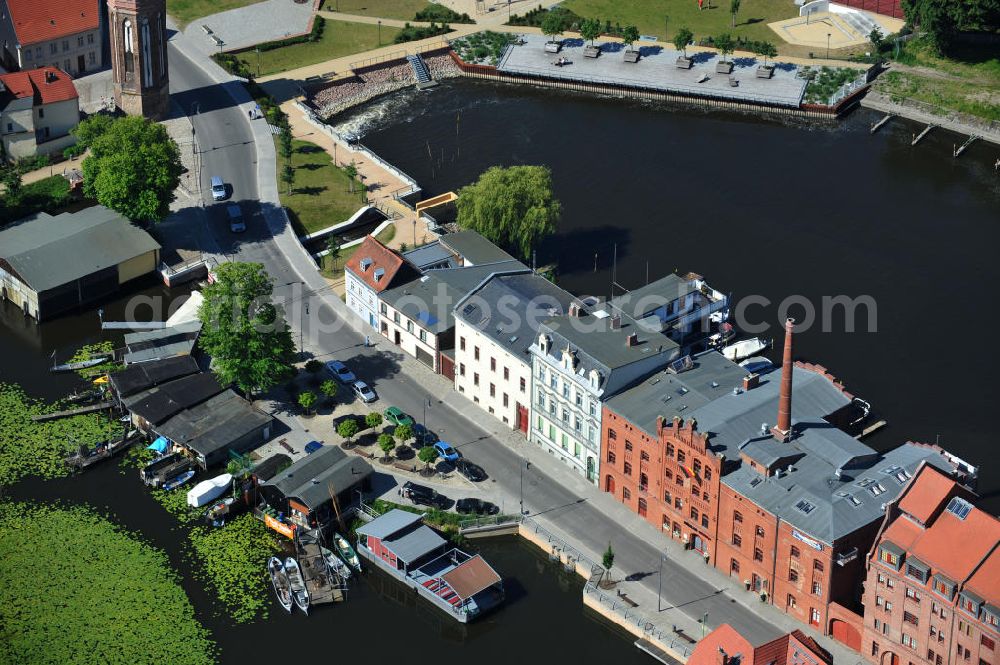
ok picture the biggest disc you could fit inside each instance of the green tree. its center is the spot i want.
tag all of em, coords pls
(724, 43)
(404, 433)
(348, 429)
(307, 400)
(351, 171)
(875, 37)
(329, 388)
(333, 250)
(512, 207)
(285, 143)
(682, 39)
(630, 35)
(288, 176)
(553, 24)
(590, 29)
(608, 560)
(10, 177)
(386, 443)
(766, 50)
(373, 419)
(91, 128)
(734, 9)
(133, 167)
(245, 334)
(314, 366)
(427, 455)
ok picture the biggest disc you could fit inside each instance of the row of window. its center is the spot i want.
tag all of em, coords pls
(54, 47)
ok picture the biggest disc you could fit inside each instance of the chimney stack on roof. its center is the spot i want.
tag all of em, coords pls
(783, 430)
(50, 76)
(751, 381)
(616, 322)
(632, 340)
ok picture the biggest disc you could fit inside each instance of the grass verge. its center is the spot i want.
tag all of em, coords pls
(404, 10)
(665, 17)
(339, 38)
(48, 194)
(321, 194)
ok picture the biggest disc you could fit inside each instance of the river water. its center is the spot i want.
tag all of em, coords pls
(761, 207)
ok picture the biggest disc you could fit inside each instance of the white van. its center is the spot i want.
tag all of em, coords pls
(218, 188)
(236, 223)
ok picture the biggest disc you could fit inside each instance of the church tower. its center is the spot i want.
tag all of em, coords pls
(139, 56)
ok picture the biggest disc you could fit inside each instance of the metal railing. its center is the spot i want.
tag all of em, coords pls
(494, 520)
(639, 620)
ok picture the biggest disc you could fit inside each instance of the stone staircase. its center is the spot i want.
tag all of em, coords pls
(421, 72)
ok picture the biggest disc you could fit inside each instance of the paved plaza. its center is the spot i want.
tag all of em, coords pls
(246, 26)
(656, 70)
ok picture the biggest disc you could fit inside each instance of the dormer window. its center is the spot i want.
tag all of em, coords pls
(916, 569)
(970, 602)
(543, 343)
(379, 273)
(569, 359)
(890, 555)
(366, 263)
(943, 586)
(595, 378)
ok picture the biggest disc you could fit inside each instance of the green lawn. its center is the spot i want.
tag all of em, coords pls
(339, 38)
(969, 82)
(320, 195)
(654, 17)
(185, 11)
(404, 10)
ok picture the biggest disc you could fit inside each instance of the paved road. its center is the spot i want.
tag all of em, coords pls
(227, 149)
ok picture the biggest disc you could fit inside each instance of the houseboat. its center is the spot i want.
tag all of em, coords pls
(460, 584)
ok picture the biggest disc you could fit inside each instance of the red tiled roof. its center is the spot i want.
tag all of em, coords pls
(725, 637)
(376, 257)
(954, 546)
(903, 533)
(42, 20)
(986, 581)
(811, 644)
(934, 490)
(32, 83)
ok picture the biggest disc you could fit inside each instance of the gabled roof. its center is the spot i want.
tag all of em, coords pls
(470, 577)
(977, 534)
(48, 251)
(375, 264)
(143, 376)
(931, 490)
(162, 402)
(986, 580)
(214, 424)
(414, 544)
(41, 20)
(45, 85)
(310, 479)
(430, 256)
(385, 525)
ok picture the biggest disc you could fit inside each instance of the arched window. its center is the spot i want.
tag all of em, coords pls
(127, 35)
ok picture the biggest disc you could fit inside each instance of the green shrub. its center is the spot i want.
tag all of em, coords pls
(535, 17)
(442, 14)
(411, 33)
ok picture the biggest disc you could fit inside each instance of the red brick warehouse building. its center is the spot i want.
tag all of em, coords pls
(932, 593)
(788, 510)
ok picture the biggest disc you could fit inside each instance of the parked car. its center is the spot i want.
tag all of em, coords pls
(341, 372)
(476, 507)
(218, 188)
(313, 446)
(446, 451)
(395, 416)
(364, 393)
(424, 496)
(236, 223)
(471, 471)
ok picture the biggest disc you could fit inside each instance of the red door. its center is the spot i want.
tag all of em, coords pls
(522, 418)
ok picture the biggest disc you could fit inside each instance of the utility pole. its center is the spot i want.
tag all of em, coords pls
(828, 46)
(380, 32)
(258, 61)
(659, 584)
(522, 487)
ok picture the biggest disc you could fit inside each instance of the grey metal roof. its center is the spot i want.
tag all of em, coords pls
(310, 479)
(414, 544)
(507, 309)
(430, 299)
(155, 344)
(430, 256)
(385, 525)
(639, 303)
(768, 451)
(49, 251)
(214, 424)
(474, 248)
(668, 395)
(136, 378)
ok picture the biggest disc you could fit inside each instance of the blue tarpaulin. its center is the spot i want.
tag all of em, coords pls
(160, 445)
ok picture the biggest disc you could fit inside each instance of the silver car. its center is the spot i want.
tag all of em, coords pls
(364, 393)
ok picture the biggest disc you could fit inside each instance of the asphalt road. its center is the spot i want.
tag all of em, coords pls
(227, 150)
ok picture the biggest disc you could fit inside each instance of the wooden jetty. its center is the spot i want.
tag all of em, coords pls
(79, 411)
(871, 429)
(324, 584)
(918, 137)
(435, 201)
(959, 150)
(878, 125)
(85, 457)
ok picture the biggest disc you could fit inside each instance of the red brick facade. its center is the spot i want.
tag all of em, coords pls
(672, 481)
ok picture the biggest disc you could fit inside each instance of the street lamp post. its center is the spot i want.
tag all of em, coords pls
(522, 486)
(258, 61)
(828, 46)
(659, 583)
(380, 32)
(414, 231)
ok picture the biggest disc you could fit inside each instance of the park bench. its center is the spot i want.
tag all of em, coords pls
(631, 56)
(684, 63)
(723, 67)
(591, 51)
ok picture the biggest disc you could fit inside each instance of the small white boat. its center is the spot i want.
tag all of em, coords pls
(334, 563)
(282, 587)
(300, 594)
(757, 365)
(207, 490)
(177, 481)
(744, 349)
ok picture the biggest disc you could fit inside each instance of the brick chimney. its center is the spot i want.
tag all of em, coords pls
(616, 322)
(783, 430)
(632, 340)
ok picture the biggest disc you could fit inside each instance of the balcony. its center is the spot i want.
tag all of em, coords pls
(844, 558)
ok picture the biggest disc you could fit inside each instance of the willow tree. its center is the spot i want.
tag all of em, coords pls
(512, 207)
